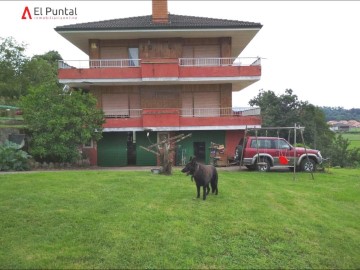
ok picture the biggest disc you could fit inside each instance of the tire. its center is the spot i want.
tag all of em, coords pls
(238, 153)
(265, 167)
(308, 165)
(250, 167)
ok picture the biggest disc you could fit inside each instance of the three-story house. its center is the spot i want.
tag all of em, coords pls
(162, 75)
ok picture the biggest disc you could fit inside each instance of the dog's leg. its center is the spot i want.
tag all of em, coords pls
(208, 189)
(198, 191)
(212, 187)
(204, 192)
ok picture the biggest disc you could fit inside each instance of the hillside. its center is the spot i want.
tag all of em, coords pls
(339, 113)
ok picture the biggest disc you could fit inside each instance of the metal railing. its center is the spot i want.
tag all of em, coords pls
(123, 113)
(239, 61)
(188, 112)
(186, 62)
(98, 63)
(216, 112)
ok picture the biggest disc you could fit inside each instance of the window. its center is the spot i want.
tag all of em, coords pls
(89, 144)
(265, 144)
(201, 55)
(134, 57)
(283, 145)
(115, 105)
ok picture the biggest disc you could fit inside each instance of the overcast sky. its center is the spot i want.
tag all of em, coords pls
(311, 47)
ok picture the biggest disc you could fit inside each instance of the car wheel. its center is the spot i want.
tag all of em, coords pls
(238, 152)
(250, 167)
(308, 165)
(263, 165)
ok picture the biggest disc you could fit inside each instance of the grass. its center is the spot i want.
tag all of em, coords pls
(122, 219)
(354, 139)
(11, 122)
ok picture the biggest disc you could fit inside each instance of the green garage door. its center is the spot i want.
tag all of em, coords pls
(144, 158)
(112, 149)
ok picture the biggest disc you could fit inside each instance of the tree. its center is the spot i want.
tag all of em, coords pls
(277, 110)
(41, 69)
(338, 153)
(317, 133)
(12, 60)
(285, 110)
(59, 123)
(339, 113)
(18, 73)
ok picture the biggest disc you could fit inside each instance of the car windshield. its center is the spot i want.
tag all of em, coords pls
(281, 144)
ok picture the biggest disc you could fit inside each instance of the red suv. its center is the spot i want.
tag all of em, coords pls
(264, 152)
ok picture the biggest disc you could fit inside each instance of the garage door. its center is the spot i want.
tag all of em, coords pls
(112, 149)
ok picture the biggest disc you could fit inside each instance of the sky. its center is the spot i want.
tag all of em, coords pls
(311, 47)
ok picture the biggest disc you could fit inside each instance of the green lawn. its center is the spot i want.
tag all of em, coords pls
(354, 139)
(11, 122)
(122, 219)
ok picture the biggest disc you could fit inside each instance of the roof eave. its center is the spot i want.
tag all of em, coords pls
(240, 36)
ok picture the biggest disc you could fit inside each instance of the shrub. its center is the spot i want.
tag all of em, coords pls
(12, 158)
(59, 122)
(340, 155)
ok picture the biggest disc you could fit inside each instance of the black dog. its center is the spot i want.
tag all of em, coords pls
(203, 175)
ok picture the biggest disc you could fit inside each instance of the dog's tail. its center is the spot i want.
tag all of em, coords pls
(214, 182)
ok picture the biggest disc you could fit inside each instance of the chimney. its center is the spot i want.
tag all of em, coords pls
(160, 11)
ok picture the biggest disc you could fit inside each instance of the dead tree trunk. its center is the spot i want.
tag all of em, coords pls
(163, 150)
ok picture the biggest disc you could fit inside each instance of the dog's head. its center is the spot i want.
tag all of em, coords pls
(190, 167)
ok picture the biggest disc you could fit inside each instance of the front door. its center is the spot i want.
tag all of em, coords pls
(131, 149)
(199, 151)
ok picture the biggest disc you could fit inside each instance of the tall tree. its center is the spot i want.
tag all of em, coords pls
(59, 123)
(12, 60)
(41, 69)
(285, 110)
(317, 133)
(277, 110)
(18, 73)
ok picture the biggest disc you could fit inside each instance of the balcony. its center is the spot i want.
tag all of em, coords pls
(181, 119)
(80, 73)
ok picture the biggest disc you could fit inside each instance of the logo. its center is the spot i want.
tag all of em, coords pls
(26, 11)
(45, 13)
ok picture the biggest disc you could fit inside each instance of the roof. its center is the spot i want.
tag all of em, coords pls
(145, 22)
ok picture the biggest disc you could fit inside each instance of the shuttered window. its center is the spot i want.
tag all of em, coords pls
(115, 105)
(200, 104)
(209, 51)
(204, 55)
(201, 51)
(187, 104)
(112, 57)
(114, 53)
(188, 52)
(134, 99)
